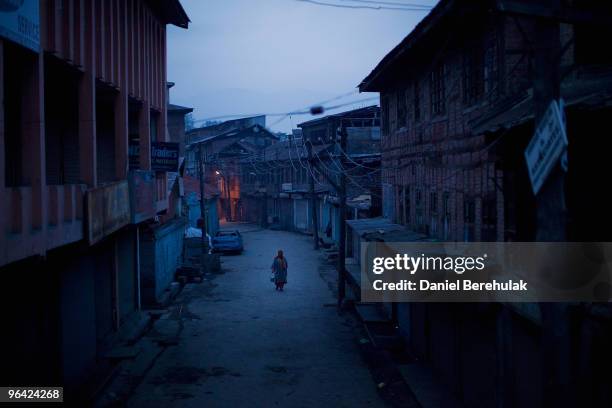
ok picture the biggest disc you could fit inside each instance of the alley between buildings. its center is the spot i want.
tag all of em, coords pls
(244, 344)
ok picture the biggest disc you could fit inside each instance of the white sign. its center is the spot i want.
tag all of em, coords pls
(546, 146)
(20, 22)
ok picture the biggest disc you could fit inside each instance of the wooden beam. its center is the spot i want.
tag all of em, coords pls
(87, 99)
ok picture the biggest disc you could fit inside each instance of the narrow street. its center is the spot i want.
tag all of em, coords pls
(244, 344)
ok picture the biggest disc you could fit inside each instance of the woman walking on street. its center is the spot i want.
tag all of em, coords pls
(279, 269)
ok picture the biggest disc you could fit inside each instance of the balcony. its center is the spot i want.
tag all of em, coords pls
(26, 232)
(65, 214)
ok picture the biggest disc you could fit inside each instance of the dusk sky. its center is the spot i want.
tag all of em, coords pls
(274, 56)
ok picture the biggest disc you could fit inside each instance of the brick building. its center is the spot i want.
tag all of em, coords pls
(176, 123)
(222, 147)
(79, 81)
(458, 109)
(457, 113)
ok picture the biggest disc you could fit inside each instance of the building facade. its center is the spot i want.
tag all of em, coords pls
(79, 81)
(359, 162)
(285, 186)
(459, 101)
(220, 149)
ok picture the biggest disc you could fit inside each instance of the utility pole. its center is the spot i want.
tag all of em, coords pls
(551, 210)
(342, 243)
(228, 205)
(313, 200)
(264, 206)
(340, 188)
(202, 204)
(551, 218)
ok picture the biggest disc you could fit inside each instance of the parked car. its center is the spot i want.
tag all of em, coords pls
(227, 241)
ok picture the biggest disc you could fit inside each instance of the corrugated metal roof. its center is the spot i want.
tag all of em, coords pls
(382, 229)
(362, 113)
(370, 225)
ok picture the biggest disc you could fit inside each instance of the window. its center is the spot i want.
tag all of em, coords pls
(385, 114)
(417, 102)
(438, 91)
(433, 202)
(407, 206)
(446, 204)
(469, 217)
(401, 108)
(318, 136)
(446, 216)
(489, 219)
(418, 203)
(473, 74)
(470, 212)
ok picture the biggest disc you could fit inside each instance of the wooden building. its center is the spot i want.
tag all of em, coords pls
(459, 99)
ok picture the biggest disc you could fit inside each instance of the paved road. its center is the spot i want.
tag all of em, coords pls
(243, 344)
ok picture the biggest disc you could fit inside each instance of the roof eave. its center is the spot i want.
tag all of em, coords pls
(373, 82)
(171, 11)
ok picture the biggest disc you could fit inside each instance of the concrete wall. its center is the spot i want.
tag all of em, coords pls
(193, 213)
(160, 256)
(213, 216)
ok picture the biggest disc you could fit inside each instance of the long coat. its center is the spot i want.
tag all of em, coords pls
(279, 268)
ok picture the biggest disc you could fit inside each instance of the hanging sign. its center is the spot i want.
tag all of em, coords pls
(548, 144)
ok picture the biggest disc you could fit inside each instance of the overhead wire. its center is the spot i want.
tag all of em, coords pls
(379, 6)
